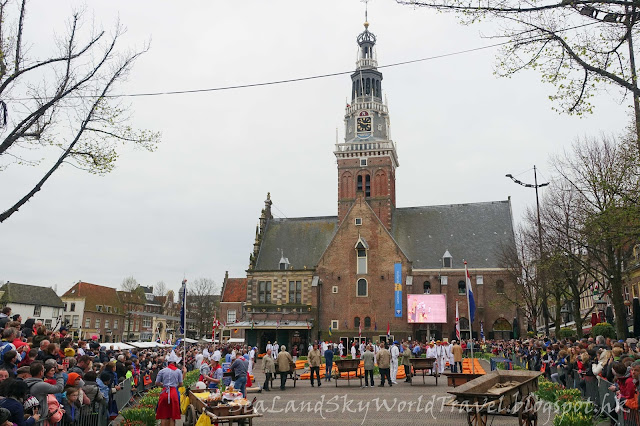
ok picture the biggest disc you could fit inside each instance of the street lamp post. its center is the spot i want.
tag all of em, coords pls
(535, 185)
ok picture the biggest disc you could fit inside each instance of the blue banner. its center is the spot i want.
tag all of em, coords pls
(397, 280)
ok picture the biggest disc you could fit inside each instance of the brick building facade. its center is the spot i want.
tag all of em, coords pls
(334, 272)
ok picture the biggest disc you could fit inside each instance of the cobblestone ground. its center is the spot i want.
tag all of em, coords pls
(352, 405)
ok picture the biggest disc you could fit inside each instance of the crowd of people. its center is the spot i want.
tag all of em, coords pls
(47, 375)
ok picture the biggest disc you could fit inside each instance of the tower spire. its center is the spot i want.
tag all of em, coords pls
(366, 7)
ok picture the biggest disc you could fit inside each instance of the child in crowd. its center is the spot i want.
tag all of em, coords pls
(71, 405)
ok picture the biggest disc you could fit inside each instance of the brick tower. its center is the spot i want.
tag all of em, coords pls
(367, 159)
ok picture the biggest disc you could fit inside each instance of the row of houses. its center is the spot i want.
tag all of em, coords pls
(89, 310)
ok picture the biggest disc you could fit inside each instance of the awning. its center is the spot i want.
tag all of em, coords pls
(116, 346)
(186, 339)
(235, 340)
(271, 324)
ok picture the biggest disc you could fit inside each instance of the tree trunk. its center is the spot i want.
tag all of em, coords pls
(577, 315)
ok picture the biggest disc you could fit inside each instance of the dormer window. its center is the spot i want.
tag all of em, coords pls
(284, 263)
(361, 253)
(447, 260)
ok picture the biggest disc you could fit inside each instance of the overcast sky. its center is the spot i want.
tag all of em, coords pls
(190, 208)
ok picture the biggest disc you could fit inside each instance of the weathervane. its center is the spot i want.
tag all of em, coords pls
(366, 6)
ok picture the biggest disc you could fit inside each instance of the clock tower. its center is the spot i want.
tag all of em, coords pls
(367, 159)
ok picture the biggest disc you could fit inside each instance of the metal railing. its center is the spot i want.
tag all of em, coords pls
(95, 414)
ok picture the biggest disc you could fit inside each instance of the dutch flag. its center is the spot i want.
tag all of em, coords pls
(470, 300)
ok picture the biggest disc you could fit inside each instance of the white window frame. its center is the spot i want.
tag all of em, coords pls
(106, 323)
(367, 283)
(366, 261)
(479, 279)
(75, 321)
(358, 221)
(334, 289)
(99, 308)
(230, 318)
(87, 322)
(363, 162)
(97, 323)
(444, 280)
(72, 307)
(334, 324)
(37, 310)
(115, 324)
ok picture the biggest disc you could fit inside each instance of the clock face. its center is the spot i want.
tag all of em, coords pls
(364, 125)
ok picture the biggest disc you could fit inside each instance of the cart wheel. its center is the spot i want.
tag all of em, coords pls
(527, 416)
(190, 416)
(477, 418)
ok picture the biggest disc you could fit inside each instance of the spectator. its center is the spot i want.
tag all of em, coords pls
(4, 316)
(71, 405)
(5, 416)
(39, 388)
(83, 365)
(24, 372)
(27, 327)
(28, 358)
(16, 392)
(9, 360)
(39, 337)
(4, 374)
(92, 390)
(104, 384)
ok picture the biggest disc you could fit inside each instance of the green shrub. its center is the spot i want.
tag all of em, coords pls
(304, 358)
(531, 334)
(190, 378)
(139, 416)
(566, 332)
(578, 413)
(603, 329)
(148, 401)
(573, 419)
(547, 390)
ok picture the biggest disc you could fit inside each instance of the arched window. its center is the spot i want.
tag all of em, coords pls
(359, 187)
(426, 287)
(363, 289)
(367, 322)
(462, 287)
(356, 322)
(361, 253)
(500, 287)
(367, 186)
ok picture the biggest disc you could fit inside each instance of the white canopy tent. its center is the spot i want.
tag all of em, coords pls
(147, 345)
(117, 346)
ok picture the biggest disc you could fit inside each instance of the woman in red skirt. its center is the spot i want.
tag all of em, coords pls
(170, 379)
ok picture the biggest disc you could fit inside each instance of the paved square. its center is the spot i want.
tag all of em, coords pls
(400, 404)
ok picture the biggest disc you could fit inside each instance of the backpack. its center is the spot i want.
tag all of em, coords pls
(54, 409)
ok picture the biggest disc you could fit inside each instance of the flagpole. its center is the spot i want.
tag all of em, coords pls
(467, 285)
(184, 318)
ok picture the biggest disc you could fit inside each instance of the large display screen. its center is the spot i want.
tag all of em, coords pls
(426, 308)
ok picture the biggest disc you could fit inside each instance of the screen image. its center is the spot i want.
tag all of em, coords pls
(426, 308)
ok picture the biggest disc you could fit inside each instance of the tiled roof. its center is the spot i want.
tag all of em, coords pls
(235, 290)
(302, 241)
(475, 232)
(95, 295)
(30, 295)
(133, 297)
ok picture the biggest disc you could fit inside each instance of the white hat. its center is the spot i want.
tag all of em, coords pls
(215, 357)
(173, 357)
(200, 386)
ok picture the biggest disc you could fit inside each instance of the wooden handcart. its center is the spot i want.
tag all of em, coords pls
(457, 379)
(424, 364)
(291, 374)
(499, 393)
(198, 407)
(348, 366)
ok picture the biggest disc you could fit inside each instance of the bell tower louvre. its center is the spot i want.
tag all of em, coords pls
(367, 159)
